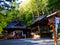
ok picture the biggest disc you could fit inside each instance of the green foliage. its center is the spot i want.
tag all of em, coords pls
(26, 16)
(31, 7)
(6, 16)
(26, 10)
(53, 5)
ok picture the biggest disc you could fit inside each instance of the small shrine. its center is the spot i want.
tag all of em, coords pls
(16, 29)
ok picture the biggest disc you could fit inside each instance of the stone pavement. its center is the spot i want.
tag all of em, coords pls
(28, 42)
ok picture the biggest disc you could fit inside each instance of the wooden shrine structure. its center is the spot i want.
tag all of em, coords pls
(16, 28)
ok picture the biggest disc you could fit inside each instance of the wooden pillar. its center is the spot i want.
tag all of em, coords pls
(54, 33)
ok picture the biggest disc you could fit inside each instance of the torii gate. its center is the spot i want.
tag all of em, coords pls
(54, 24)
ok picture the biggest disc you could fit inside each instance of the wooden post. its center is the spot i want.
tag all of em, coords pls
(54, 34)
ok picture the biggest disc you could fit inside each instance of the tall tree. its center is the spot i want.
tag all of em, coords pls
(32, 8)
(7, 14)
(53, 5)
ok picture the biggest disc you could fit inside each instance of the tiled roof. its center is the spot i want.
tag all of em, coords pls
(15, 24)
